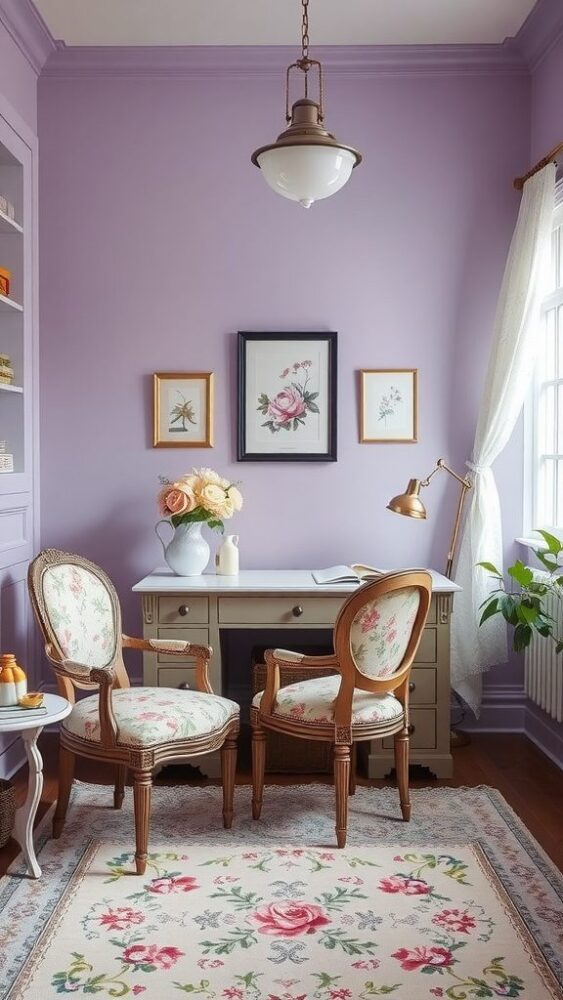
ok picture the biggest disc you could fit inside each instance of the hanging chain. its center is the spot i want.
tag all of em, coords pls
(305, 30)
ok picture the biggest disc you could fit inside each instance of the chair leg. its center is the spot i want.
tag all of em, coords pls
(119, 787)
(402, 771)
(142, 786)
(228, 771)
(353, 768)
(66, 774)
(341, 785)
(258, 767)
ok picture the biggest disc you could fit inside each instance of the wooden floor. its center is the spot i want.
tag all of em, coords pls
(529, 781)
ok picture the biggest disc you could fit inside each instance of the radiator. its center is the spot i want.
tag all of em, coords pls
(543, 677)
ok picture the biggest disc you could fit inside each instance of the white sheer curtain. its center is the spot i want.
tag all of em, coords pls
(511, 366)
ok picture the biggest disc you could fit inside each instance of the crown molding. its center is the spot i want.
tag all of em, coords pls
(26, 27)
(542, 29)
(71, 62)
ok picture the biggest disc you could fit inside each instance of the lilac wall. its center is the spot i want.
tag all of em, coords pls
(159, 240)
(546, 103)
(18, 80)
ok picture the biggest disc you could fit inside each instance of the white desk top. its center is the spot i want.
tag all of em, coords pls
(259, 581)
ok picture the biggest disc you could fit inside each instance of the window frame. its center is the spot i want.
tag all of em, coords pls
(532, 452)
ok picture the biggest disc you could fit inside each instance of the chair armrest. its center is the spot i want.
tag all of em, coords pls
(286, 658)
(176, 647)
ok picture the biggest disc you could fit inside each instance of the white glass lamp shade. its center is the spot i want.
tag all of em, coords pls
(306, 173)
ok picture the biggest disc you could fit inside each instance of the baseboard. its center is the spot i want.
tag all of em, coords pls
(545, 732)
(503, 710)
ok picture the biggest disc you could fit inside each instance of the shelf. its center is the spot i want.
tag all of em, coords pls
(8, 225)
(4, 387)
(8, 305)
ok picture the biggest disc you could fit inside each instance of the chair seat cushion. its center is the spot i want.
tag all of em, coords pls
(313, 701)
(147, 716)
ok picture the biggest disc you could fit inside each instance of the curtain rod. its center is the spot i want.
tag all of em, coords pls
(551, 156)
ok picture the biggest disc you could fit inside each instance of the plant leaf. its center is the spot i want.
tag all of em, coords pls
(491, 609)
(553, 543)
(522, 574)
(490, 568)
(522, 637)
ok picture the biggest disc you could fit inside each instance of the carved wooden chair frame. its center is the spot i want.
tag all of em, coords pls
(141, 762)
(342, 733)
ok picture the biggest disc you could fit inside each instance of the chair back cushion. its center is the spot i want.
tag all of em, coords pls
(80, 612)
(381, 631)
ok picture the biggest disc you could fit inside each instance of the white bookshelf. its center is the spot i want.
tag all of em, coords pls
(9, 226)
(9, 305)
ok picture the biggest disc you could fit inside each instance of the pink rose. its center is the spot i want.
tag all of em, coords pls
(412, 961)
(167, 884)
(121, 918)
(152, 955)
(370, 619)
(172, 500)
(455, 920)
(287, 404)
(406, 886)
(289, 918)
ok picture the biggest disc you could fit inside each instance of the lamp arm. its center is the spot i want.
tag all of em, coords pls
(466, 485)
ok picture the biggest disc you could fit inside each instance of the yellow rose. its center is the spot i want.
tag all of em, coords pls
(212, 498)
(235, 496)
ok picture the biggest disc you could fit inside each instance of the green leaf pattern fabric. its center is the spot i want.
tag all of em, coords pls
(313, 702)
(81, 614)
(146, 716)
(381, 632)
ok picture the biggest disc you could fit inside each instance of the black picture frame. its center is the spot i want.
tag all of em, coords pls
(326, 380)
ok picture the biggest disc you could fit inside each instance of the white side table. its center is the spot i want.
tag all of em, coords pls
(30, 728)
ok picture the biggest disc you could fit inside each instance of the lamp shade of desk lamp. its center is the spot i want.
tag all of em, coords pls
(409, 502)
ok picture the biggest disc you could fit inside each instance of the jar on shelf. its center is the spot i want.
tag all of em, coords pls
(5, 278)
(13, 682)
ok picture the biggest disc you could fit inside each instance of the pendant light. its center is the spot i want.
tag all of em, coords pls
(306, 162)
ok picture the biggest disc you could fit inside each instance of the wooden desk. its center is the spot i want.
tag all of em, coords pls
(197, 608)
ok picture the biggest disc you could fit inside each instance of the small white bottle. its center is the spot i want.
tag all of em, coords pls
(227, 558)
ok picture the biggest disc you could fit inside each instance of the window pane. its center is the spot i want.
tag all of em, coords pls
(546, 513)
(554, 271)
(559, 510)
(546, 422)
(547, 357)
(559, 262)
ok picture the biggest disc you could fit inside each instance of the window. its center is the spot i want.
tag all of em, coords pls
(545, 424)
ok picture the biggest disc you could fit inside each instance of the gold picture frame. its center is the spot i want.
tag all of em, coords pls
(388, 405)
(183, 409)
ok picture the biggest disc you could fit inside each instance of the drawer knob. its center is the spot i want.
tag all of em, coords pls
(184, 686)
(412, 687)
(297, 611)
(411, 729)
(184, 610)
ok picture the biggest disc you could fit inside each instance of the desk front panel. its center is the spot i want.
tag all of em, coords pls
(193, 618)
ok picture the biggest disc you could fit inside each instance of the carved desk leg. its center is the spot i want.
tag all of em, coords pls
(25, 815)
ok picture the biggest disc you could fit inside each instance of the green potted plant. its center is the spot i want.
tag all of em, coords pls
(524, 605)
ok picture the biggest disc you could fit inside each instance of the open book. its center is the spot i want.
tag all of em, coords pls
(357, 573)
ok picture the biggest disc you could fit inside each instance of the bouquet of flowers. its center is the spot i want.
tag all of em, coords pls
(202, 495)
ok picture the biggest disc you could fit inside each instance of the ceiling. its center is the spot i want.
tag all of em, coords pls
(277, 22)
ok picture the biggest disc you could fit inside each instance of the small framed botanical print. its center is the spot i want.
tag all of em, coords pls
(287, 397)
(388, 405)
(183, 409)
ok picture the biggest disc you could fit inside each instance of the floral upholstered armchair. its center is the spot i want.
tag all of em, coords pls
(133, 728)
(376, 637)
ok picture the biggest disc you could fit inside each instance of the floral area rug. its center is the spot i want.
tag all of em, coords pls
(461, 902)
(285, 924)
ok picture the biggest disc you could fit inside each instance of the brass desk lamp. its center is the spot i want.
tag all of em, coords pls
(410, 504)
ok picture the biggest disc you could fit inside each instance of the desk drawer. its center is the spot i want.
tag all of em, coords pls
(428, 650)
(198, 636)
(423, 734)
(193, 610)
(423, 689)
(279, 610)
(173, 677)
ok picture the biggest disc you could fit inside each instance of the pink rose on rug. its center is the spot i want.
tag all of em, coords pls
(138, 989)
(151, 955)
(407, 886)
(455, 920)
(289, 918)
(172, 883)
(412, 961)
(286, 405)
(121, 918)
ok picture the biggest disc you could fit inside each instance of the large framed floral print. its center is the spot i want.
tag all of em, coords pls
(388, 406)
(287, 397)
